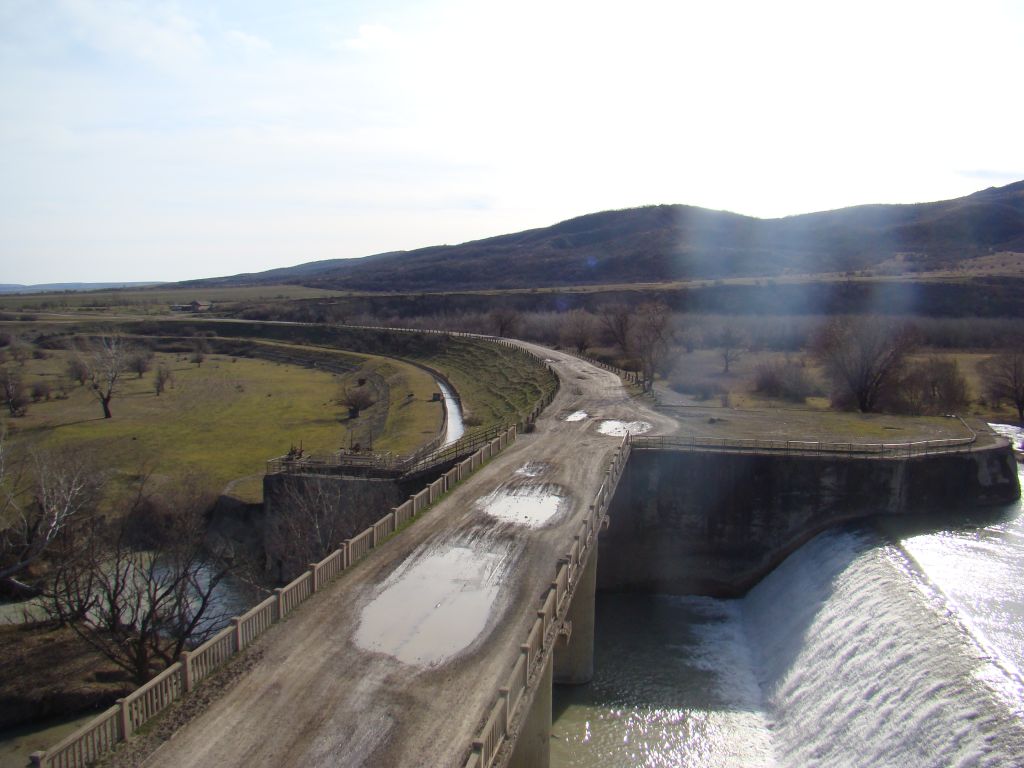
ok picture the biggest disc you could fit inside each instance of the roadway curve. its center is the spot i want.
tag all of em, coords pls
(396, 661)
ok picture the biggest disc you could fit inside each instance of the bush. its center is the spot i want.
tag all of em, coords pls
(786, 380)
(40, 390)
(699, 387)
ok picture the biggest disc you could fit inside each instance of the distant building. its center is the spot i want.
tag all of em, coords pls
(192, 306)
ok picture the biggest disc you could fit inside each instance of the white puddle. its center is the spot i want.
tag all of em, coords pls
(577, 416)
(617, 428)
(532, 469)
(433, 607)
(531, 505)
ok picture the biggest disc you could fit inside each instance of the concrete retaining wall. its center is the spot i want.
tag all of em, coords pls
(716, 522)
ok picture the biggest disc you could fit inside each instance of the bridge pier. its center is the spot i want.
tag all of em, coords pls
(574, 659)
(533, 745)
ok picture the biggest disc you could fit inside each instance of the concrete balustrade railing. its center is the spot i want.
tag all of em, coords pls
(105, 731)
(507, 707)
(853, 450)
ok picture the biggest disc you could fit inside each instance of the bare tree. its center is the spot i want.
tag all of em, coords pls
(1003, 376)
(306, 524)
(140, 586)
(578, 330)
(161, 379)
(140, 361)
(199, 351)
(616, 321)
(934, 386)
(731, 346)
(651, 338)
(12, 390)
(77, 371)
(356, 399)
(505, 321)
(38, 506)
(864, 359)
(106, 359)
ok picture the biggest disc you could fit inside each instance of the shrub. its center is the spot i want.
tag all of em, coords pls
(786, 380)
(40, 390)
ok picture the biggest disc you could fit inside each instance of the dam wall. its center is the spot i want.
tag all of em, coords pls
(715, 522)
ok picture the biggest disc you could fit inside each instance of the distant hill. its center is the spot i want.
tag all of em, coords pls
(680, 242)
(59, 287)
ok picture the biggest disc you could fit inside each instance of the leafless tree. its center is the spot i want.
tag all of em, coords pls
(140, 585)
(77, 371)
(20, 352)
(651, 339)
(140, 361)
(934, 386)
(199, 351)
(38, 505)
(1003, 376)
(504, 321)
(12, 390)
(356, 399)
(161, 379)
(106, 359)
(616, 321)
(731, 346)
(578, 329)
(864, 359)
(305, 524)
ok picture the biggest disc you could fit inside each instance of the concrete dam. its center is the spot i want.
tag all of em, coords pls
(441, 645)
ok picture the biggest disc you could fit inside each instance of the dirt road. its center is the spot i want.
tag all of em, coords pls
(394, 663)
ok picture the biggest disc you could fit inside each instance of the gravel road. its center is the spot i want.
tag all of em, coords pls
(394, 663)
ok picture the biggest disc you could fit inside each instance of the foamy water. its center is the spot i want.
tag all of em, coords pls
(859, 650)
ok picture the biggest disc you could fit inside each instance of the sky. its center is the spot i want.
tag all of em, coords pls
(175, 140)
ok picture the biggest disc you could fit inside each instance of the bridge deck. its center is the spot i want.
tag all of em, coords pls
(396, 661)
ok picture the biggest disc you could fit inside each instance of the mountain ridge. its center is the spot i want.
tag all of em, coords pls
(659, 243)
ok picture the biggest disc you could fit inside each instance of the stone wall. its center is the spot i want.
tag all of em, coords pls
(715, 523)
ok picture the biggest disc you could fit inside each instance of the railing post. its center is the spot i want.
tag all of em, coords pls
(124, 722)
(314, 576)
(279, 593)
(36, 759)
(236, 623)
(503, 693)
(524, 648)
(186, 670)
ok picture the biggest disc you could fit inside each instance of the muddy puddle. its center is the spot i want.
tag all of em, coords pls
(617, 428)
(576, 416)
(434, 606)
(531, 505)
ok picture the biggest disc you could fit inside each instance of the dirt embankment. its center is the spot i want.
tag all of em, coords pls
(48, 672)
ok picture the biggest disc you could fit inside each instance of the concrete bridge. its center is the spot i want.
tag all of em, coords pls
(395, 663)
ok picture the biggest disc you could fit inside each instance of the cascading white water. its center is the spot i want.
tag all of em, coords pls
(861, 649)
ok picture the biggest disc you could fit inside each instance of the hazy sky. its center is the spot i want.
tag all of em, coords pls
(170, 140)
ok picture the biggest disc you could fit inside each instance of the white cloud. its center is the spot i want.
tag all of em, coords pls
(159, 34)
(247, 41)
(371, 37)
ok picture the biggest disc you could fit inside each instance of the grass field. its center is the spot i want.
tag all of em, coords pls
(156, 300)
(222, 420)
(497, 385)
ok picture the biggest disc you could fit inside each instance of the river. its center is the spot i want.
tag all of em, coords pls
(872, 645)
(454, 428)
